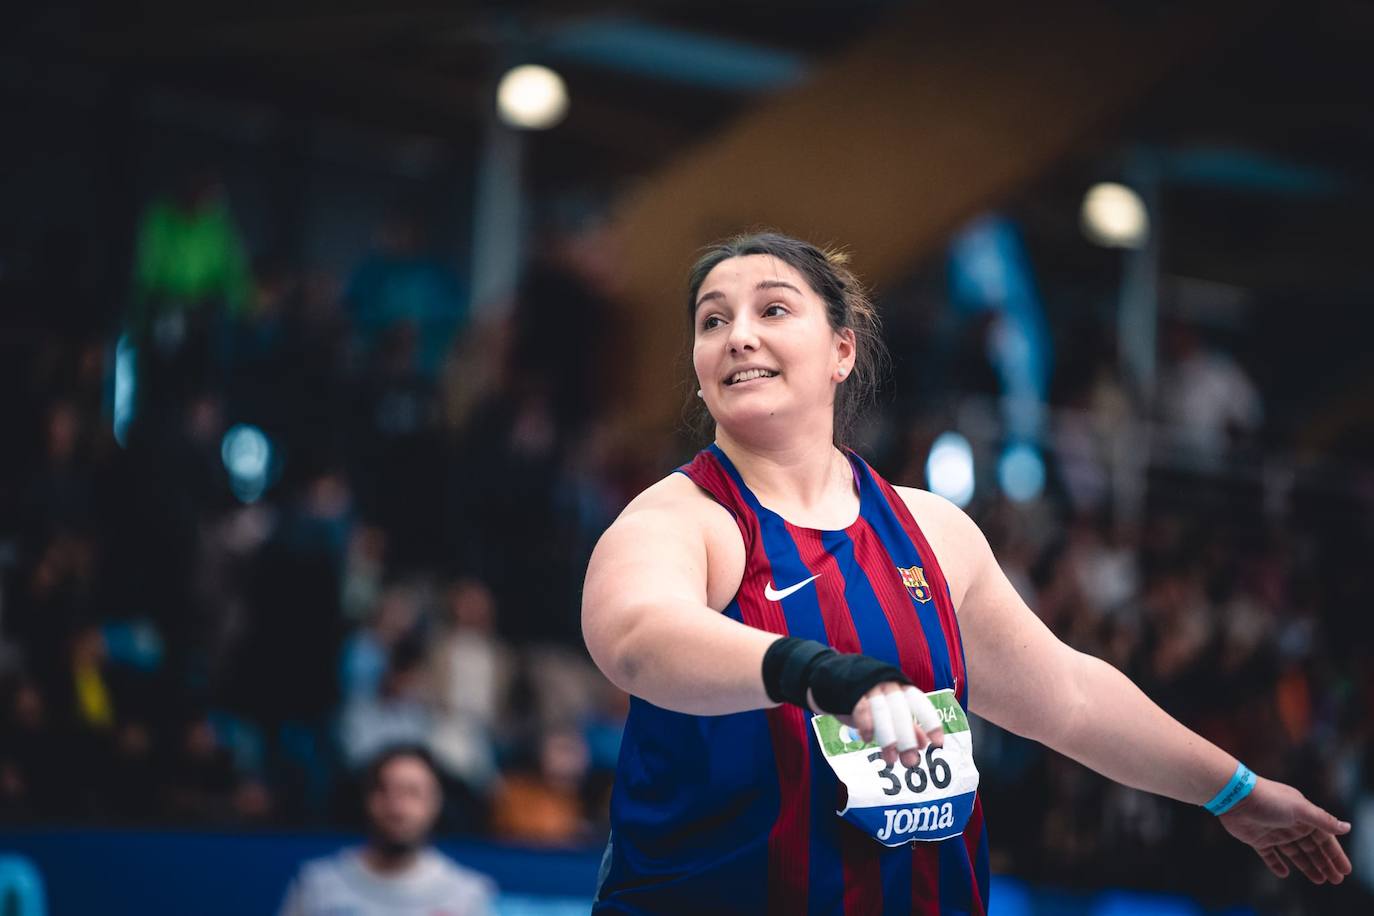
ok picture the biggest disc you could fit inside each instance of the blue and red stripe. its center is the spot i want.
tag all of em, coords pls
(862, 877)
(935, 578)
(817, 862)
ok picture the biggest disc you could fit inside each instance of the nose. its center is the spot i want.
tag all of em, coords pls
(742, 335)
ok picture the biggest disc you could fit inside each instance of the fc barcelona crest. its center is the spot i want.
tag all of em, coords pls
(914, 578)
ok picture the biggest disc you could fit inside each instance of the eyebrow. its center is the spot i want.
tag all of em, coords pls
(763, 284)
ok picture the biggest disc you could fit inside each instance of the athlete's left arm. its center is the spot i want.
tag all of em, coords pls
(1021, 677)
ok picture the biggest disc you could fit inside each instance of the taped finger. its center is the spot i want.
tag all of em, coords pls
(883, 735)
(927, 718)
(902, 724)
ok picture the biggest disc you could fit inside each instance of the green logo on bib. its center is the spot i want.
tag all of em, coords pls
(837, 738)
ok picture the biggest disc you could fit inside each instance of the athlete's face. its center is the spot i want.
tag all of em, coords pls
(758, 313)
(402, 807)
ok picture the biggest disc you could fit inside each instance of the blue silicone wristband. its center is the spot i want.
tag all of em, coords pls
(1241, 784)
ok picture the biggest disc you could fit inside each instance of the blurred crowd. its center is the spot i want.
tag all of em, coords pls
(208, 633)
(186, 641)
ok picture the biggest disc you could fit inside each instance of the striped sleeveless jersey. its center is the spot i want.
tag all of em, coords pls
(736, 813)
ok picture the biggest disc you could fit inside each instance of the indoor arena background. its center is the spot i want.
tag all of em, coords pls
(322, 370)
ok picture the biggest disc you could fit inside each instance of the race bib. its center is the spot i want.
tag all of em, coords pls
(896, 804)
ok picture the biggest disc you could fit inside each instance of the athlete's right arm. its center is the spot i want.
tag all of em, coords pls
(650, 619)
(646, 619)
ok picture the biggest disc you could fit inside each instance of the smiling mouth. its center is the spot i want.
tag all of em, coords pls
(748, 375)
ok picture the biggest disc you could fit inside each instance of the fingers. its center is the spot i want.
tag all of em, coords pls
(905, 729)
(863, 719)
(890, 712)
(1331, 848)
(1322, 820)
(1274, 861)
(884, 735)
(1325, 851)
(927, 718)
(1322, 848)
(1318, 856)
(1300, 857)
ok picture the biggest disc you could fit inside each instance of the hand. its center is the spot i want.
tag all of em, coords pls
(895, 725)
(1283, 827)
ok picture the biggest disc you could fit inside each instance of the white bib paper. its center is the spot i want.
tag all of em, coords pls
(896, 805)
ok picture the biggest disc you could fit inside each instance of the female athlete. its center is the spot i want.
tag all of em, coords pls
(802, 640)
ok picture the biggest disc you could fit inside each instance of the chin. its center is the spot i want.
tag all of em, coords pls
(745, 417)
(398, 846)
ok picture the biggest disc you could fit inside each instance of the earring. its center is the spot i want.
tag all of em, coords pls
(700, 395)
(839, 376)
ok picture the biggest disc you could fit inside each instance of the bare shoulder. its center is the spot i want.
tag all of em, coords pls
(675, 491)
(958, 542)
(939, 518)
(684, 526)
(677, 501)
(664, 516)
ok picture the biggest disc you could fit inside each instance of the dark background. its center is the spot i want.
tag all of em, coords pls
(187, 649)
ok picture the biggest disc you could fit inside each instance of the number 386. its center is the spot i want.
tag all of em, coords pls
(915, 777)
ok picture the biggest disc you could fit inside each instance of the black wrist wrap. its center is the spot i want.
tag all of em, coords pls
(837, 680)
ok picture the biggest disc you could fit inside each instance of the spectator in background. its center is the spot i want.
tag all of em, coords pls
(202, 784)
(285, 671)
(1207, 395)
(398, 714)
(30, 750)
(546, 804)
(505, 483)
(132, 778)
(404, 283)
(397, 873)
(61, 493)
(189, 253)
(191, 271)
(257, 349)
(364, 660)
(313, 394)
(401, 463)
(560, 319)
(364, 569)
(471, 669)
(92, 695)
(602, 729)
(169, 479)
(58, 596)
(97, 702)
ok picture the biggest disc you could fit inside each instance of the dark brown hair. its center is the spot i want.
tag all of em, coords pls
(846, 306)
(372, 775)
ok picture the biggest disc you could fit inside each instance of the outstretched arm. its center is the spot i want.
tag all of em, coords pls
(1121, 733)
(1024, 679)
(647, 623)
(650, 628)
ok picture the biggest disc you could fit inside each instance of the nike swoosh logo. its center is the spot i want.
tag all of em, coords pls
(778, 596)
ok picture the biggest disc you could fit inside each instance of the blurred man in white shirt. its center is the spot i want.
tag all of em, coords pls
(397, 873)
